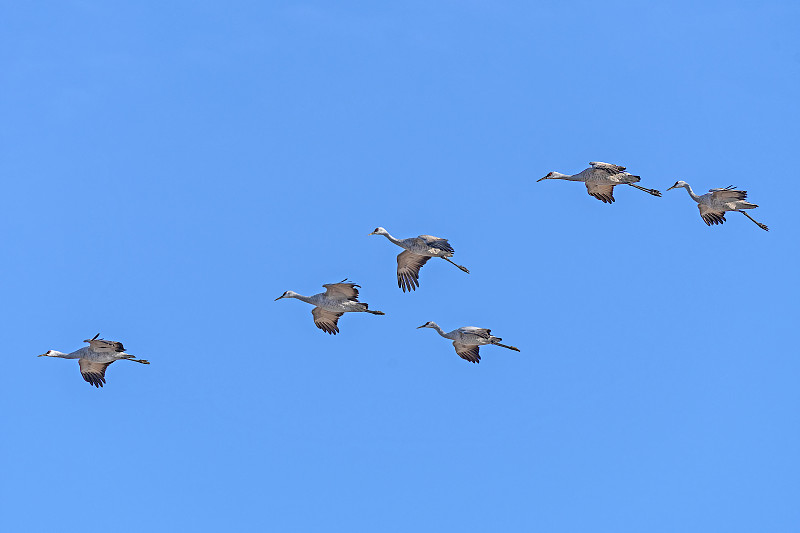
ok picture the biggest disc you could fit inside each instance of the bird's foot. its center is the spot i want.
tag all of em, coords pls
(465, 269)
(143, 361)
(654, 192)
(763, 226)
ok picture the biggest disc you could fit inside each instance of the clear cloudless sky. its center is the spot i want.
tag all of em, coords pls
(169, 168)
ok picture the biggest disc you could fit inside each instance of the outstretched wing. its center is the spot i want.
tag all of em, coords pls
(93, 373)
(601, 191)
(710, 215)
(104, 346)
(438, 243)
(606, 168)
(344, 290)
(327, 321)
(468, 352)
(728, 194)
(408, 265)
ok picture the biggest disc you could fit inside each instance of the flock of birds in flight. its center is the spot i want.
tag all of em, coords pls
(340, 298)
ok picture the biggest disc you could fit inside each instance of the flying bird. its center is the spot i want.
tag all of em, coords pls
(601, 178)
(95, 358)
(417, 252)
(715, 202)
(338, 299)
(468, 339)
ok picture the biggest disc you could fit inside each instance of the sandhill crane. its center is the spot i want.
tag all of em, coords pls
(600, 180)
(715, 202)
(95, 358)
(417, 252)
(466, 340)
(338, 299)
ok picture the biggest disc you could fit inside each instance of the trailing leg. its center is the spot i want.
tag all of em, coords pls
(459, 266)
(504, 346)
(759, 224)
(648, 191)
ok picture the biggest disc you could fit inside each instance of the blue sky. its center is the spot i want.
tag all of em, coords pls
(170, 169)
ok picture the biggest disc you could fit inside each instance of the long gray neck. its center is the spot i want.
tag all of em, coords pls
(691, 193)
(62, 355)
(306, 299)
(439, 330)
(389, 236)
(568, 177)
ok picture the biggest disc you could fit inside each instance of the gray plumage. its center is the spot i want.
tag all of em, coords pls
(418, 250)
(716, 202)
(338, 299)
(601, 178)
(468, 339)
(95, 358)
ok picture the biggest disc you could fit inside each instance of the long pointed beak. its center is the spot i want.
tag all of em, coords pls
(422, 326)
(372, 233)
(279, 297)
(43, 355)
(544, 178)
(671, 188)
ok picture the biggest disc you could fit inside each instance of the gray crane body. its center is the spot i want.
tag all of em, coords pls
(601, 178)
(467, 339)
(95, 358)
(418, 250)
(337, 305)
(329, 306)
(716, 202)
